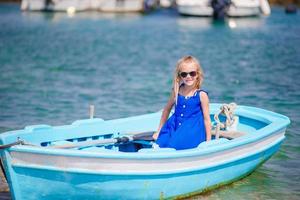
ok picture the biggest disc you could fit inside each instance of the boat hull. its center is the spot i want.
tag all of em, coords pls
(236, 9)
(63, 5)
(195, 10)
(206, 11)
(124, 186)
(84, 5)
(40, 170)
(134, 178)
(243, 11)
(122, 6)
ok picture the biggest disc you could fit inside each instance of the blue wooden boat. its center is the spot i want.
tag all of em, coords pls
(90, 159)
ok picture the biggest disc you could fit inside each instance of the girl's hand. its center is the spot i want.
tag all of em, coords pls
(155, 135)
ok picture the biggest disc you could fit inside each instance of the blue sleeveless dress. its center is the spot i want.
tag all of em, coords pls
(185, 128)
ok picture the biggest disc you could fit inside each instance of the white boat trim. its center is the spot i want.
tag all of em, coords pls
(100, 165)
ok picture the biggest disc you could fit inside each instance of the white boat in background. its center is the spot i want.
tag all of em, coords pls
(83, 5)
(236, 8)
(120, 5)
(194, 7)
(56, 5)
(240, 8)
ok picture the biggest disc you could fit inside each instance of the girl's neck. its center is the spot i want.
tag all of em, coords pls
(188, 90)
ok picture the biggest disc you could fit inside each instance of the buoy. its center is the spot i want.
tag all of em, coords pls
(290, 9)
(71, 10)
(231, 23)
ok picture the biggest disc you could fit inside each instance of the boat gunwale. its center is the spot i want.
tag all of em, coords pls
(154, 173)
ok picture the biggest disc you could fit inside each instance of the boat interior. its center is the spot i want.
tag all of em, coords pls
(113, 142)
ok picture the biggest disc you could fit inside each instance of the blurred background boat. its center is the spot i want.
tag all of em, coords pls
(83, 5)
(233, 8)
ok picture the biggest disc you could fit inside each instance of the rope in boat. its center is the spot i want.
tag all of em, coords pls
(228, 111)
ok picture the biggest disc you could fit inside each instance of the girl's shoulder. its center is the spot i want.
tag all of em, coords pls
(203, 94)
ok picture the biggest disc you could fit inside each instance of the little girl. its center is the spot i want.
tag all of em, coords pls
(190, 124)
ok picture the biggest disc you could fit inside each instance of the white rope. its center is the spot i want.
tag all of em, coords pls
(228, 111)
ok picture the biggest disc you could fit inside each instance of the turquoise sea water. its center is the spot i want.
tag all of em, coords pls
(53, 66)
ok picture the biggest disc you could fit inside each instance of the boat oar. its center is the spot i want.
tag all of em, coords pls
(146, 136)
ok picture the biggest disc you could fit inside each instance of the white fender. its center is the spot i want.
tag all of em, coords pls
(234, 125)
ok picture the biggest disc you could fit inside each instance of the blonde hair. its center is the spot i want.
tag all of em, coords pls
(177, 79)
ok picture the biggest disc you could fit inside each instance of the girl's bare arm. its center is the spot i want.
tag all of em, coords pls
(205, 108)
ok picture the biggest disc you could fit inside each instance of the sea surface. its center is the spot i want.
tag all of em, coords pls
(54, 65)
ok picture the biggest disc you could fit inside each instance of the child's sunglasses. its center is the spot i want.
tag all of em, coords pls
(184, 74)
